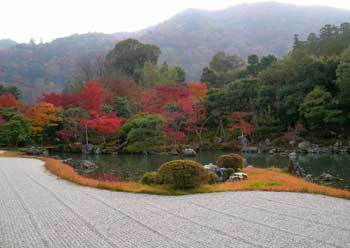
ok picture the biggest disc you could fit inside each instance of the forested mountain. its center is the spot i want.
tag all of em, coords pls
(190, 39)
(6, 43)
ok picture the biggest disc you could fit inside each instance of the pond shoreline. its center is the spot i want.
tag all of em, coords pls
(259, 179)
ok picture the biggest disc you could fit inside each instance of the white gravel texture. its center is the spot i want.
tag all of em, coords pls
(37, 209)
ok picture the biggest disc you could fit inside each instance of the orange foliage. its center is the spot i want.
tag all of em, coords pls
(198, 90)
(44, 115)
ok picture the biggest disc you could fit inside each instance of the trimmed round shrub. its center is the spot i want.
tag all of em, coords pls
(210, 178)
(151, 178)
(182, 174)
(233, 160)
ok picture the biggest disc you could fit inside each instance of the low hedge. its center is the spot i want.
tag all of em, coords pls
(182, 174)
(233, 160)
(210, 178)
(151, 178)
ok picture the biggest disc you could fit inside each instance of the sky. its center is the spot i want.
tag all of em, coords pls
(46, 20)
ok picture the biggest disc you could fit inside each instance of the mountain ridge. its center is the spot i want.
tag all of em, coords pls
(189, 38)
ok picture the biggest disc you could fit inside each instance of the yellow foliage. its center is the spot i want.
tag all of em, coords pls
(44, 115)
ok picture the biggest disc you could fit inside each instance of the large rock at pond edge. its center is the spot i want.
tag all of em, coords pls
(305, 145)
(211, 168)
(88, 165)
(189, 152)
(238, 176)
(74, 163)
(326, 178)
(222, 174)
(36, 151)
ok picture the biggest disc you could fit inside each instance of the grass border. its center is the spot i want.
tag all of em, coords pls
(272, 179)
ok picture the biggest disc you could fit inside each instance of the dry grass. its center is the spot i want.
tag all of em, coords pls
(272, 179)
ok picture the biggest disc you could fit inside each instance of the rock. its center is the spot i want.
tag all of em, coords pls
(211, 167)
(97, 150)
(86, 164)
(292, 143)
(188, 152)
(243, 140)
(292, 155)
(174, 152)
(87, 149)
(238, 176)
(304, 145)
(222, 174)
(272, 151)
(217, 140)
(327, 178)
(250, 166)
(267, 142)
(309, 178)
(251, 149)
(37, 151)
(74, 163)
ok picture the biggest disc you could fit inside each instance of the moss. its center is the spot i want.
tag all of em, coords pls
(259, 184)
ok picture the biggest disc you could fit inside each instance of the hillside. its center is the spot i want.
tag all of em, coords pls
(192, 37)
(7, 43)
(189, 38)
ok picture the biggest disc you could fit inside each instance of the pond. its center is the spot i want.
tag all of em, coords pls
(132, 167)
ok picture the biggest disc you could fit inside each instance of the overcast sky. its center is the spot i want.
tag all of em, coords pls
(48, 19)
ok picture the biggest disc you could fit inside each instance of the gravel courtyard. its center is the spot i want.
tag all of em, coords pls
(39, 210)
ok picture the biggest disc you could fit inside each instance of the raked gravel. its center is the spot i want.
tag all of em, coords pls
(37, 209)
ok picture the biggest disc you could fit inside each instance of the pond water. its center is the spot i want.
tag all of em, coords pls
(131, 167)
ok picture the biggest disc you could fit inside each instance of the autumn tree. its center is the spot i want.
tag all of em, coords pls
(242, 122)
(71, 123)
(8, 101)
(44, 116)
(92, 96)
(104, 125)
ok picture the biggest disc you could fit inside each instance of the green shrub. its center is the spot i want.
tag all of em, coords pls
(182, 174)
(210, 178)
(230, 171)
(234, 161)
(151, 178)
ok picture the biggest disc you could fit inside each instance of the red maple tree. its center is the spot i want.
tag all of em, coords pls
(8, 101)
(240, 122)
(92, 96)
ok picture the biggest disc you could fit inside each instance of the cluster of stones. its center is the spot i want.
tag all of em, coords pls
(223, 173)
(302, 147)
